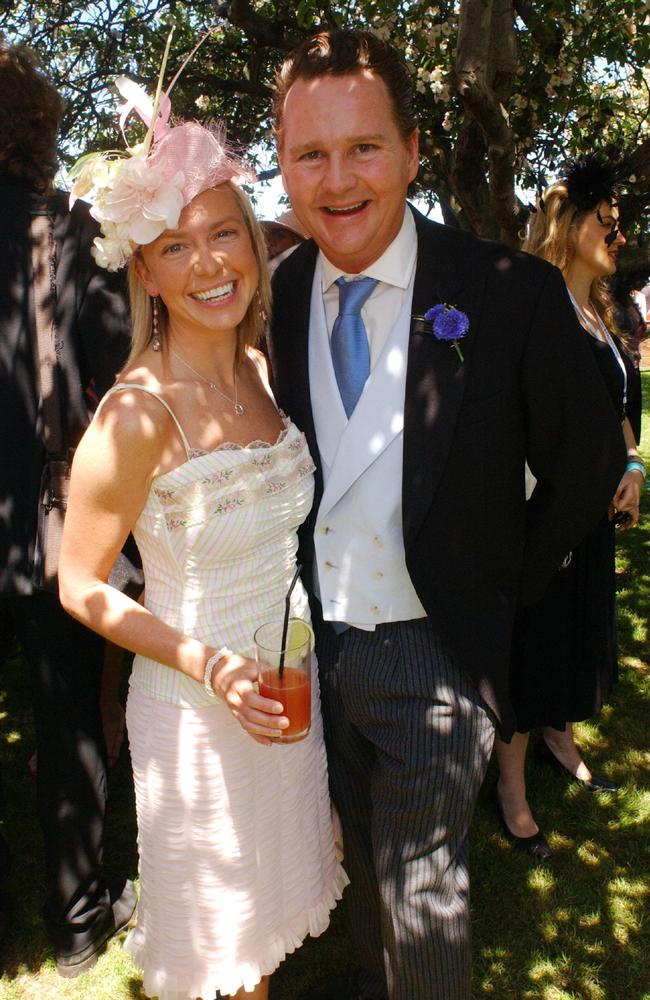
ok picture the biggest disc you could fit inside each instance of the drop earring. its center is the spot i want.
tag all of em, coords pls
(155, 339)
(261, 311)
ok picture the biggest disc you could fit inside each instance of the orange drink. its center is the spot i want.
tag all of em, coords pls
(294, 693)
(283, 654)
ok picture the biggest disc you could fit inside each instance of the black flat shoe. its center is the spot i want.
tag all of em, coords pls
(536, 845)
(598, 784)
(544, 755)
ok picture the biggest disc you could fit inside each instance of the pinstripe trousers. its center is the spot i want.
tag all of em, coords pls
(408, 743)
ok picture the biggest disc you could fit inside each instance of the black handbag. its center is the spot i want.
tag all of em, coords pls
(127, 573)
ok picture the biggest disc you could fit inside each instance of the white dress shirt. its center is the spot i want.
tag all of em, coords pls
(394, 270)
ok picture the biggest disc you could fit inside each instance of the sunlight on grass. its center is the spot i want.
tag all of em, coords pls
(541, 880)
(634, 810)
(498, 961)
(634, 662)
(561, 842)
(571, 980)
(627, 905)
(589, 920)
(592, 854)
(104, 982)
(637, 624)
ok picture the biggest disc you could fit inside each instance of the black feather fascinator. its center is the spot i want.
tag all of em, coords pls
(590, 180)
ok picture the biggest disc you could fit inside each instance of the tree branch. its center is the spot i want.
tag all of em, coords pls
(547, 33)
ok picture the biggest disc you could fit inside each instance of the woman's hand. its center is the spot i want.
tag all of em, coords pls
(628, 496)
(235, 677)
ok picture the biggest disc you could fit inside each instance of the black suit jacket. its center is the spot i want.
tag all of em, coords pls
(93, 327)
(528, 389)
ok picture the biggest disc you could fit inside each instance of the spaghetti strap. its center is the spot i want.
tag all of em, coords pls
(123, 386)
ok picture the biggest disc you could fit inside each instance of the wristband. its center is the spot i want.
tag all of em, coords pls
(636, 466)
(209, 670)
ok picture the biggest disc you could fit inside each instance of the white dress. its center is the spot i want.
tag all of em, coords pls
(237, 857)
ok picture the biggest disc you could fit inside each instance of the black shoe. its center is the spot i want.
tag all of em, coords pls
(123, 909)
(537, 844)
(341, 988)
(544, 755)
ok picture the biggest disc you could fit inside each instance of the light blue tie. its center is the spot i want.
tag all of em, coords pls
(349, 343)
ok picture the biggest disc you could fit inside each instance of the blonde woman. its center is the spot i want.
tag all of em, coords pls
(564, 652)
(237, 861)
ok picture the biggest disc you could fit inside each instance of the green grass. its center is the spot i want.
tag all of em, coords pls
(574, 929)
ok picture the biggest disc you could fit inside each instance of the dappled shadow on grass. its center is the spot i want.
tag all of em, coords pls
(633, 586)
(574, 927)
(575, 923)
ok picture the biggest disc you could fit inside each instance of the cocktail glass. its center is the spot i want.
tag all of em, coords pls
(284, 672)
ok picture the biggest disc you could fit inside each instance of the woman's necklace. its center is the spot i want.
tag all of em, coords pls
(606, 336)
(240, 409)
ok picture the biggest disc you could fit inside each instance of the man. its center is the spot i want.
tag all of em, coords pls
(420, 541)
(64, 659)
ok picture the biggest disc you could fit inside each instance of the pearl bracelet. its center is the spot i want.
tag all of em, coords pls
(209, 670)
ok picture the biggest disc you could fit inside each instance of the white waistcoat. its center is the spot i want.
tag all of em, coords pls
(360, 561)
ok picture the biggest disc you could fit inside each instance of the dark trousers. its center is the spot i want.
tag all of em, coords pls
(65, 662)
(408, 743)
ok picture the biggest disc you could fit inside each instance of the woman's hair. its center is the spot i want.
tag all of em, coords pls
(340, 52)
(551, 231)
(252, 326)
(30, 114)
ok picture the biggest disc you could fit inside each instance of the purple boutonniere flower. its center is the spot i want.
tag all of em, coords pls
(448, 323)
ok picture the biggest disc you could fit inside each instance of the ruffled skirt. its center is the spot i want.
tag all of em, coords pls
(237, 855)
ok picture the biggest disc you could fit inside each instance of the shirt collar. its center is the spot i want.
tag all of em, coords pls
(394, 267)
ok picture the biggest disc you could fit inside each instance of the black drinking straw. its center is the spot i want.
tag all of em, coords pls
(285, 624)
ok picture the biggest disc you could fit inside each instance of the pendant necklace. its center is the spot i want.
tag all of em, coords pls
(239, 408)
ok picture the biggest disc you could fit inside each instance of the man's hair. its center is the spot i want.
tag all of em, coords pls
(338, 53)
(30, 114)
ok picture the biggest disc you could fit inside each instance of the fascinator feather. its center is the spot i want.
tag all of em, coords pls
(138, 193)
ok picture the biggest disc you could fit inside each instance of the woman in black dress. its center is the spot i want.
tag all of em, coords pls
(564, 647)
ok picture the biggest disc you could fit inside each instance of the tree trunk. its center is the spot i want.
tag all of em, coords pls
(486, 64)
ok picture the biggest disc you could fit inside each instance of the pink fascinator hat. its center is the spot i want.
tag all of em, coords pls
(137, 194)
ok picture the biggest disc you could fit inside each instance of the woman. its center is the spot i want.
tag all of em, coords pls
(564, 647)
(237, 861)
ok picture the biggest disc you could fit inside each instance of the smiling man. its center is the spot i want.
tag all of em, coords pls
(420, 541)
